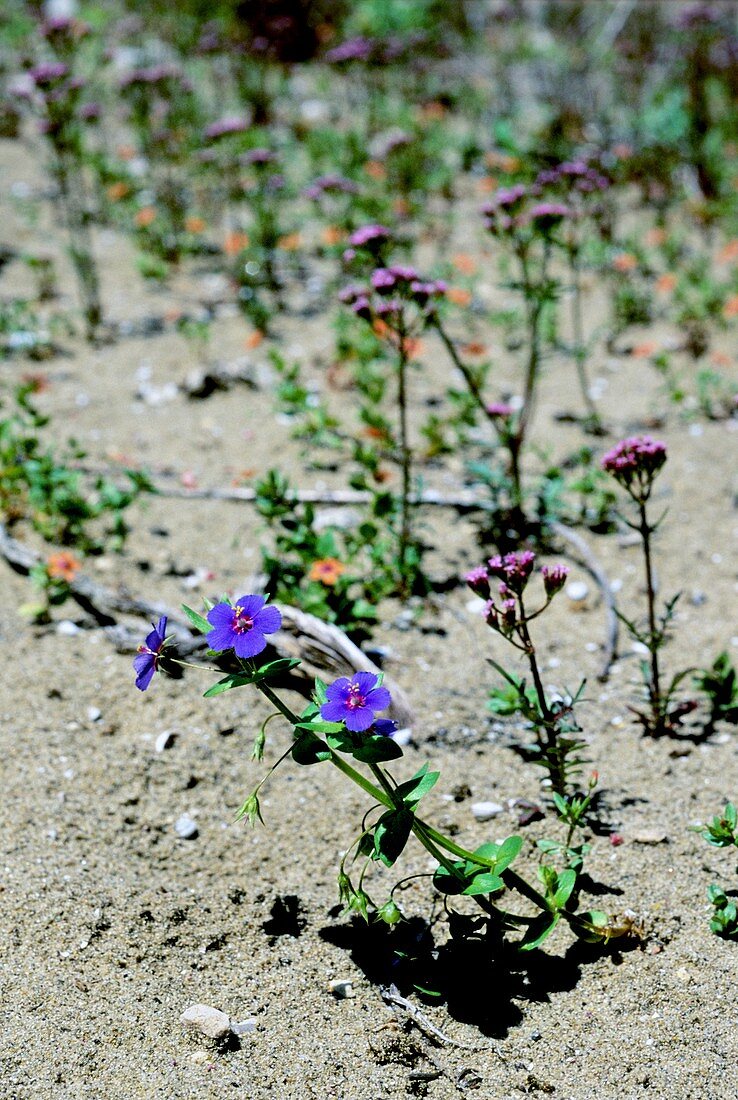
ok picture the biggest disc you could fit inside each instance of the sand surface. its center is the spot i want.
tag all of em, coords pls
(111, 925)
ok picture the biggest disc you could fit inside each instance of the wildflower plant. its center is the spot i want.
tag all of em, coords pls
(57, 99)
(344, 726)
(398, 304)
(502, 583)
(635, 463)
(722, 832)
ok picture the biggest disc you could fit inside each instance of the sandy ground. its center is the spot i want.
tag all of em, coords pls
(111, 925)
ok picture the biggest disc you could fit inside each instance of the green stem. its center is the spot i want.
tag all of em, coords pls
(405, 459)
(655, 686)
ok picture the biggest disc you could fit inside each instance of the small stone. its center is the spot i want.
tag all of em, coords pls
(342, 988)
(243, 1027)
(697, 598)
(577, 591)
(67, 628)
(485, 811)
(200, 1057)
(165, 740)
(94, 714)
(209, 1021)
(185, 827)
(650, 836)
(683, 974)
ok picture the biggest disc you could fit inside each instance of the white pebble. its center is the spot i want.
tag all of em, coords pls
(165, 740)
(185, 827)
(485, 811)
(208, 1021)
(577, 591)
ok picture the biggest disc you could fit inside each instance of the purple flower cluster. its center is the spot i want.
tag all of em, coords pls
(355, 702)
(49, 73)
(499, 410)
(259, 157)
(334, 185)
(370, 236)
(242, 626)
(545, 216)
(359, 48)
(390, 288)
(149, 76)
(571, 174)
(513, 571)
(634, 462)
(514, 568)
(224, 127)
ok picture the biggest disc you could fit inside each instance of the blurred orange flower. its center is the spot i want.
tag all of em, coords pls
(645, 350)
(253, 340)
(459, 296)
(195, 224)
(235, 242)
(625, 261)
(730, 309)
(656, 236)
(117, 191)
(666, 283)
(145, 216)
(729, 253)
(327, 571)
(63, 566)
(290, 242)
(332, 234)
(464, 263)
(375, 170)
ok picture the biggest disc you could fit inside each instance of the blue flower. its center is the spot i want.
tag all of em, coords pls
(355, 702)
(242, 626)
(146, 662)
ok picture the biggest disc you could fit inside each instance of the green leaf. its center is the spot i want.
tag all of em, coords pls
(232, 680)
(449, 883)
(484, 883)
(567, 880)
(319, 726)
(540, 929)
(240, 679)
(309, 749)
(320, 689)
(376, 749)
(197, 621)
(488, 851)
(415, 788)
(391, 834)
(509, 850)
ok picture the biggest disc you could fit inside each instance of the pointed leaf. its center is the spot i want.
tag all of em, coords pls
(198, 621)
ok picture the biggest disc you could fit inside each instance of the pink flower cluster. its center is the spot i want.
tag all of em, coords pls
(638, 458)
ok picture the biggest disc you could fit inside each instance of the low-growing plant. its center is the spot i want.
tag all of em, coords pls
(722, 832)
(720, 684)
(635, 463)
(43, 487)
(551, 719)
(341, 727)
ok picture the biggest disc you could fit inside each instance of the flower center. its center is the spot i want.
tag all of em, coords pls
(355, 698)
(242, 623)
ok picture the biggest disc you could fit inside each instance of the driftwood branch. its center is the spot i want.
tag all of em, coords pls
(595, 570)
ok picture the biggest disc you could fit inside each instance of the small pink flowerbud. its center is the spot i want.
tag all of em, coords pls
(478, 581)
(554, 578)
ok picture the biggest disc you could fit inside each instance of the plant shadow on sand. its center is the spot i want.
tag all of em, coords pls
(482, 980)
